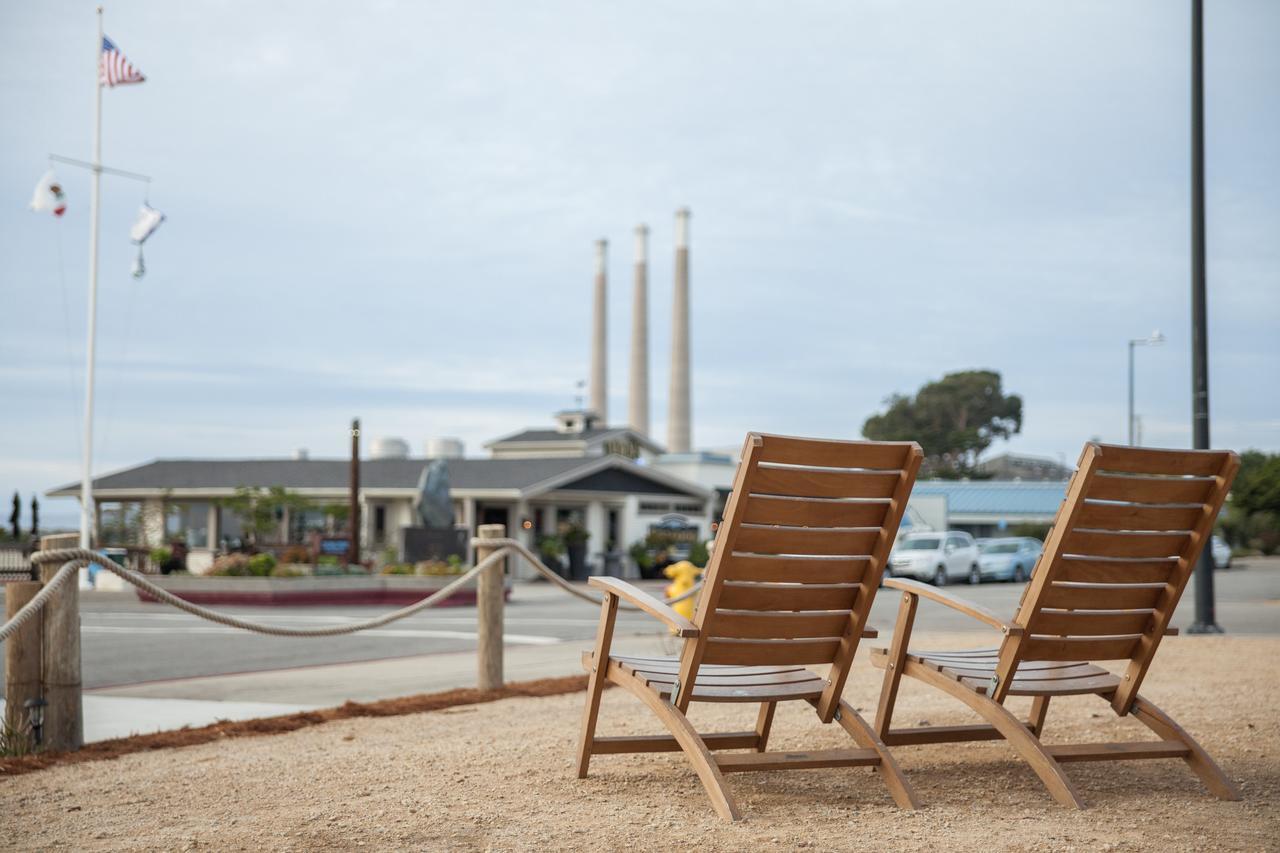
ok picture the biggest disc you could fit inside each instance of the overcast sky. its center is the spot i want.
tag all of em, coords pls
(386, 210)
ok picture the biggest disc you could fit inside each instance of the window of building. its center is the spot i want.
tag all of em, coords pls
(189, 522)
(120, 523)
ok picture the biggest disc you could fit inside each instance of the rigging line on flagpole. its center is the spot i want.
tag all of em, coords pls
(108, 419)
(67, 362)
(106, 170)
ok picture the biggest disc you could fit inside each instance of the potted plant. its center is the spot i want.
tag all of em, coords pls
(551, 550)
(575, 538)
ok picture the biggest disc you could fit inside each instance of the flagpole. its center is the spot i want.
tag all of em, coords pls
(86, 482)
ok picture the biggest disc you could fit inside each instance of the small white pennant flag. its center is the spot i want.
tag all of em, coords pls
(49, 195)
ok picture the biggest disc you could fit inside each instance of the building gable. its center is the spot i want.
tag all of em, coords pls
(619, 480)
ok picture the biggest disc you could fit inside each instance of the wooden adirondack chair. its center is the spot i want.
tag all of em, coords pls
(797, 563)
(1124, 543)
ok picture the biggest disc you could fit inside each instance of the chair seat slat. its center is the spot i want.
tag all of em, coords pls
(1073, 623)
(1085, 570)
(1118, 516)
(745, 567)
(811, 512)
(1074, 648)
(1060, 596)
(764, 625)
(834, 454)
(800, 540)
(802, 483)
(770, 651)
(1152, 490)
(1141, 460)
(1114, 544)
(736, 595)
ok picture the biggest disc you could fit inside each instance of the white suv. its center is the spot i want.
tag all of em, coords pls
(937, 557)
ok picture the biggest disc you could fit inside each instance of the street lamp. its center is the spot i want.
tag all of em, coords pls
(1152, 340)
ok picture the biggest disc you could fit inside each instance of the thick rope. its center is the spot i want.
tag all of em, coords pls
(77, 558)
(549, 574)
(33, 606)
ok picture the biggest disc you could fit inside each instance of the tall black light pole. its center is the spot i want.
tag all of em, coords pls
(1206, 622)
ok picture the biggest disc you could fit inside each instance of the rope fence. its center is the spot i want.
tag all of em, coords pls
(74, 559)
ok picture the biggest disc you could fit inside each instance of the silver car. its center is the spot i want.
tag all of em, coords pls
(937, 557)
(1007, 559)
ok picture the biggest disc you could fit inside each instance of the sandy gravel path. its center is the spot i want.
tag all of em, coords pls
(498, 776)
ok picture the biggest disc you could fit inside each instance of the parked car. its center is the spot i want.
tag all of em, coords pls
(1008, 559)
(937, 557)
(1221, 553)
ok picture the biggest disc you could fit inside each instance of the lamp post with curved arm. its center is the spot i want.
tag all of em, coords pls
(1154, 339)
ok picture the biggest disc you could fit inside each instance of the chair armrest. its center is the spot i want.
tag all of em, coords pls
(932, 593)
(646, 602)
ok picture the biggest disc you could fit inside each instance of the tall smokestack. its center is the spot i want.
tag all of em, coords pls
(599, 359)
(638, 408)
(679, 437)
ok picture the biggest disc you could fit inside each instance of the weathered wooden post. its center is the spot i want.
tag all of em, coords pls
(21, 655)
(60, 666)
(490, 592)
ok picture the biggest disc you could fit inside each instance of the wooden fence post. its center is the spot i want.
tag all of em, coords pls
(60, 667)
(490, 592)
(21, 655)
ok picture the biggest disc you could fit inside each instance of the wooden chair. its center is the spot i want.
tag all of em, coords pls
(796, 565)
(1124, 543)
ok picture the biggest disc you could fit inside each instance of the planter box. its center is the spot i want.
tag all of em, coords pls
(396, 590)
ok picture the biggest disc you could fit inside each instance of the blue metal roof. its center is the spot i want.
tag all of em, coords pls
(995, 497)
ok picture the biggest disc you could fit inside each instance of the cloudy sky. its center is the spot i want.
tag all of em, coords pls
(386, 210)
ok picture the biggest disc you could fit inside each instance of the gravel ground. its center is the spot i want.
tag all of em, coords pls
(499, 776)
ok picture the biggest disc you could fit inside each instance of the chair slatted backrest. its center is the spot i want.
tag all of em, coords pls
(1121, 550)
(799, 555)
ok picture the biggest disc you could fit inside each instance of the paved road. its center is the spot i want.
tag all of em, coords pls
(127, 642)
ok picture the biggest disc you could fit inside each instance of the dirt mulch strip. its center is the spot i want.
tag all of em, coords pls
(110, 749)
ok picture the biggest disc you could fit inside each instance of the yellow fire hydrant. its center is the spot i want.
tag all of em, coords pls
(683, 576)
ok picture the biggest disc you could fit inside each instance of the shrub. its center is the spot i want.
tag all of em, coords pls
(288, 570)
(260, 565)
(437, 567)
(296, 554)
(640, 554)
(574, 534)
(551, 546)
(231, 565)
(698, 554)
(398, 569)
(160, 556)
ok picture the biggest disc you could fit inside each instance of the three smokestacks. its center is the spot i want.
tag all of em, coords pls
(679, 430)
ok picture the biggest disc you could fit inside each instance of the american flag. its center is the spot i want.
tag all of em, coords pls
(114, 69)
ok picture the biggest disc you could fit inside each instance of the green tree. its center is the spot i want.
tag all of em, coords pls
(955, 419)
(15, 517)
(1252, 519)
(35, 517)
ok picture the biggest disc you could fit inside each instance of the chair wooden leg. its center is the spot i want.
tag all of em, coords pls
(1199, 761)
(897, 659)
(1039, 710)
(1013, 729)
(684, 733)
(596, 682)
(764, 723)
(865, 736)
